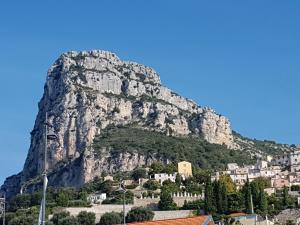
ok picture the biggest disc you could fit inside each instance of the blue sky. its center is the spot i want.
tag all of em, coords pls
(239, 57)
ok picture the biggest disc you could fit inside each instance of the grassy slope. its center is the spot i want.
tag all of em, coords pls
(195, 150)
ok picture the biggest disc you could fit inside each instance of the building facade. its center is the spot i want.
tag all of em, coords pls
(185, 169)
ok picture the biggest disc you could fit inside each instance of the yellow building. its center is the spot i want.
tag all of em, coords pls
(185, 169)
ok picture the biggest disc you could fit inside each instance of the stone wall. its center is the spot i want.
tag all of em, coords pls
(99, 210)
(179, 198)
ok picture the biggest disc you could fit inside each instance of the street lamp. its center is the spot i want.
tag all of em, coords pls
(123, 190)
(48, 136)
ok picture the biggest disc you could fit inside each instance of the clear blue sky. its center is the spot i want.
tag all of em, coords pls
(240, 57)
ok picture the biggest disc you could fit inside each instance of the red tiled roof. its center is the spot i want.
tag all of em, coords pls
(199, 220)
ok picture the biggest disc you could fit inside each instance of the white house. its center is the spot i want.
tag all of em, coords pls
(161, 177)
(96, 198)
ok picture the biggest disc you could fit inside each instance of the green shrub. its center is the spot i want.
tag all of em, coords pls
(111, 218)
(57, 217)
(166, 201)
(152, 185)
(193, 205)
(139, 173)
(86, 218)
(139, 214)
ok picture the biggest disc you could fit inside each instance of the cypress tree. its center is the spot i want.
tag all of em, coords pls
(166, 201)
(247, 197)
(224, 198)
(208, 200)
(219, 197)
(263, 202)
(285, 199)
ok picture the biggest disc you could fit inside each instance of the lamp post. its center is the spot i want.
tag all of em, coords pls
(50, 136)
(123, 190)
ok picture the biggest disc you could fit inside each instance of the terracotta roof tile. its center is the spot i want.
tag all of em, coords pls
(199, 220)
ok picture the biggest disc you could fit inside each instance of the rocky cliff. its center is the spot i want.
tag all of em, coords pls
(85, 93)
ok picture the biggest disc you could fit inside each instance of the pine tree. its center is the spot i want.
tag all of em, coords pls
(208, 200)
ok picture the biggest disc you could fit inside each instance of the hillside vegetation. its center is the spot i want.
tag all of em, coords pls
(261, 148)
(194, 149)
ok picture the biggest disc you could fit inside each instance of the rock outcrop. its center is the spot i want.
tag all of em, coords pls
(87, 91)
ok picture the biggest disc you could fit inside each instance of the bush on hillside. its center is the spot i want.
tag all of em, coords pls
(139, 214)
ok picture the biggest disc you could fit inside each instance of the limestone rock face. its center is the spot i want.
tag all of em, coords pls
(87, 91)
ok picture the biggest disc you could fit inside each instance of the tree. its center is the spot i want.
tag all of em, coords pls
(20, 201)
(287, 200)
(170, 187)
(193, 205)
(226, 181)
(69, 220)
(105, 187)
(62, 199)
(157, 167)
(257, 185)
(139, 173)
(218, 197)
(263, 202)
(178, 179)
(166, 201)
(111, 218)
(57, 217)
(235, 202)
(152, 185)
(262, 181)
(208, 198)
(170, 168)
(23, 220)
(118, 198)
(224, 195)
(200, 175)
(248, 197)
(139, 214)
(86, 218)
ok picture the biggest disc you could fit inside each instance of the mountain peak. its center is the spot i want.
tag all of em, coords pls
(87, 92)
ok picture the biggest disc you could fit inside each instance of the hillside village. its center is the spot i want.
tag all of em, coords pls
(281, 172)
(120, 147)
(188, 190)
(187, 193)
